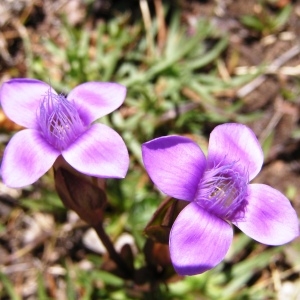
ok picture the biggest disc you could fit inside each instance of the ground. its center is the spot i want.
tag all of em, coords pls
(263, 36)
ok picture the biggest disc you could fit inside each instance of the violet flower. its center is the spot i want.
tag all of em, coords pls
(58, 125)
(219, 193)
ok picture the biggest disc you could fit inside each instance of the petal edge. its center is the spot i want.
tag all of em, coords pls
(97, 99)
(21, 98)
(269, 219)
(175, 164)
(233, 142)
(99, 152)
(26, 158)
(198, 240)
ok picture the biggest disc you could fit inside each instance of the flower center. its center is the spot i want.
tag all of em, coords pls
(59, 121)
(223, 192)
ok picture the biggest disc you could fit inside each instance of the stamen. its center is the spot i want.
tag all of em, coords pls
(223, 192)
(59, 120)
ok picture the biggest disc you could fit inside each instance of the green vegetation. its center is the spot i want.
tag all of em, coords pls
(175, 85)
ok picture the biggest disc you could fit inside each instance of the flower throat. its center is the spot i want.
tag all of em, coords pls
(223, 192)
(59, 121)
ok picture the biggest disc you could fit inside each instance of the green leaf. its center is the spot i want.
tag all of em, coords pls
(253, 22)
(107, 278)
(8, 287)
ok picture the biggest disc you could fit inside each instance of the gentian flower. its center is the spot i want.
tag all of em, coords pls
(219, 193)
(58, 125)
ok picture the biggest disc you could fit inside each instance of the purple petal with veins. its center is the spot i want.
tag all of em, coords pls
(220, 193)
(61, 125)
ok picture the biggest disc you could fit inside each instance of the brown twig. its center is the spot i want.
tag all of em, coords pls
(148, 25)
(273, 121)
(34, 244)
(275, 65)
(161, 24)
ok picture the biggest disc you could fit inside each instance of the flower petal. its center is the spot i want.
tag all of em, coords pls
(175, 164)
(97, 99)
(99, 152)
(198, 240)
(26, 158)
(233, 142)
(21, 98)
(269, 219)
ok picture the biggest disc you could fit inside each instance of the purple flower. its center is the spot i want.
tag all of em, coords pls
(219, 193)
(58, 125)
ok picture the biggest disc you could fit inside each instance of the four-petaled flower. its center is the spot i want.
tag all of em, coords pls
(58, 125)
(219, 193)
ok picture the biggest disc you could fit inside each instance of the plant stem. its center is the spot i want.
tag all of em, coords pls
(114, 255)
